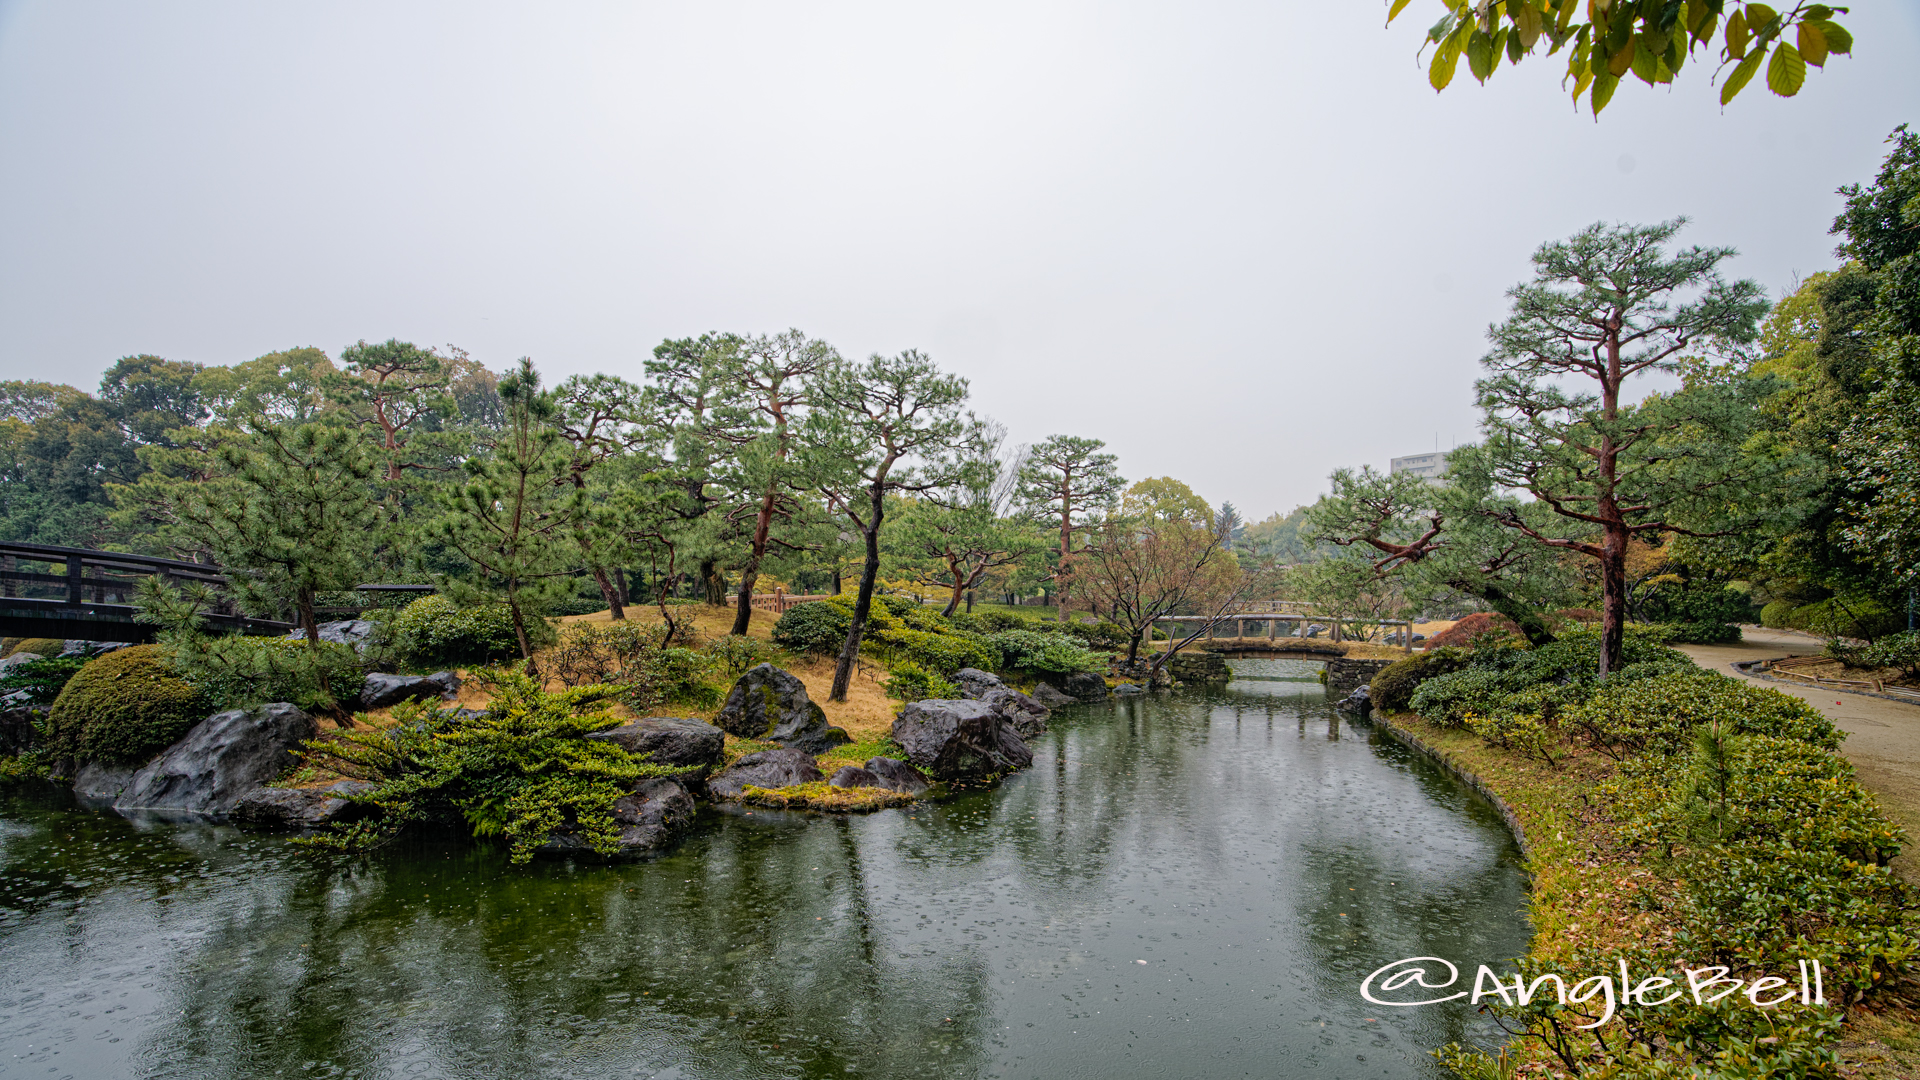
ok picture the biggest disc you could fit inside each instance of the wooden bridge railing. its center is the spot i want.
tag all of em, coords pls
(1238, 620)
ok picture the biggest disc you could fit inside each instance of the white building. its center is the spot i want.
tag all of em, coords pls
(1432, 466)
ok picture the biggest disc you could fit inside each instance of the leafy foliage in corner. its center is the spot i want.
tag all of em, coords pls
(910, 682)
(42, 680)
(522, 770)
(815, 627)
(236, 672)
(434, 632)
(1898, 651)
(123, 707)
(1028, 652)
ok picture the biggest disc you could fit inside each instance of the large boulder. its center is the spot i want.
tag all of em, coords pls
(772, 705)
(959, 739)
(896, 775)
(382, 690)
(7, 664)
(298, 808)
(1127, 689)
(353, 632)
(20, 726)
(1360, 701)
(976, 684)
(96, 784)
(854, 776)
(221, 759)
(693, 746)
(1085, 686)
(651, 819)
(766, 769)
(1027, 716)
(1052, 697)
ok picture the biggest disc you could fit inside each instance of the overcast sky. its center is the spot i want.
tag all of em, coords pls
(1242, 243)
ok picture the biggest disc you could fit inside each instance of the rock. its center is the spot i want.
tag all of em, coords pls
(1085, 686)
(692, 745)
(1127, 689)
(1050, 696)
(976, 684)
(79, 647)
(854, 776)
(896, 775)
(20, 726)
(1360, 701)
(220, 759)
(96, 786)
(651, 819)
(9, 663)
(298, 808)
(768, 703)
(766, 769)
(959, 738)
(1027, 716)
(381, 690)
(354, 632)
(1314, 630)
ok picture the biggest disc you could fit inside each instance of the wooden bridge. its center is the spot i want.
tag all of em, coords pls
(82, 593)
(1272, 642)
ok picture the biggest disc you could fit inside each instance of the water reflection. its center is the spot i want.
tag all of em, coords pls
(1186, 885)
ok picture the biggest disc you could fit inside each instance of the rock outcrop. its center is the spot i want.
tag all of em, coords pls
(353, 632)
(896, 775)
(854, 776)
(381, 690)
(692, 746)
(1360, 701)
(1052, 697)
(976, 684)
(960, 739)
(1085, 686)
(651, 819)
(770, 704)
(766, 769)
(1028, 717)
(20, 726)
(298, 808)
(219, 760)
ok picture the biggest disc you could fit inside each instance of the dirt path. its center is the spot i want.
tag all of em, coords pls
(1883, 737)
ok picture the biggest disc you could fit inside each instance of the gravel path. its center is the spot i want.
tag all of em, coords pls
(1883, 737)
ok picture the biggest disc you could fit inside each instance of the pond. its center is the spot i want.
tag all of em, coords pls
(1184, 885)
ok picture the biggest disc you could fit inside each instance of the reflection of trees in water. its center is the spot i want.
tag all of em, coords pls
(750, 952)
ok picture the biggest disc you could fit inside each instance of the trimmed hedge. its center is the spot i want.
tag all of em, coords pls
(123, 707)
(1625, 717)
(814, 627)
(1392, 689)
(433, 632)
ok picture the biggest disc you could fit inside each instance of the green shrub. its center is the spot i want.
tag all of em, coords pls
(1626, 717)
(995, 622)
(1702, 633)
(1032, 653)
(1392, 688)
(736, 653)
(1774, 616)
(47, 647)
(123, 707)
(818, 627)
(524, 769)
(592, 653)
(1447, 700)
(1104, 634)
(236, 672)
(574, 605)
(42, 680)
(1524, 733)
(1896, 651)
(1845, 617)
(673, 677)
(944, 653)
(910, 682)
(433, 632)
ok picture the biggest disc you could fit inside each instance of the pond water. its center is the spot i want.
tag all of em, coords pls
(1186, 885)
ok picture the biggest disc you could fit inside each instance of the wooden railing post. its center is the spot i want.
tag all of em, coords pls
(75, 593)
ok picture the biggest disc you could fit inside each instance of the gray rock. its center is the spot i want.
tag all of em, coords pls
(1127, 689)
(354, 632)
(976, 684)
(382, 690)
(220, 759)
(97, 786)
(80, 647)
(1051, 696)
(1314, 630)
(854, 776)
(693, 745)
(959, 739)
(298, 808)
(652, 819)
(766, 769)
(768, 703)
(896, 775)
(1027, 716)
(7, 664)
(1085, 686)
(1360, 701)
(20, 726)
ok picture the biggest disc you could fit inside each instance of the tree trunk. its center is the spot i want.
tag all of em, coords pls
(862, 604)
(609, 593)
(1613, 598)
(970, 607)
(953, 602)
(743, 610)
(1133, 648)
(838, 585)
(620, 579)
(520, 634)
